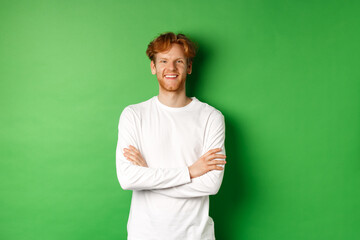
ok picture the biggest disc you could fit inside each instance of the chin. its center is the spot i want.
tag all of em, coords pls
(171, 89)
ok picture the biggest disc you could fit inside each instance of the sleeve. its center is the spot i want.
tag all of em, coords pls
(134, 177)
(210, 182)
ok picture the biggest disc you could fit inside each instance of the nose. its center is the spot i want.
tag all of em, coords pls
(171, 66)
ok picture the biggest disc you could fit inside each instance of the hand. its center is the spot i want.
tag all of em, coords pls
(134, 156)
(206, 163)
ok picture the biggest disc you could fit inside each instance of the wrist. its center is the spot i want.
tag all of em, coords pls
(190, 172)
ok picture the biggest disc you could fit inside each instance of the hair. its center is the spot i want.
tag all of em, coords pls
(163, 43)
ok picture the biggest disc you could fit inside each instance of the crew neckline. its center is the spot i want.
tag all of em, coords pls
(175, 109)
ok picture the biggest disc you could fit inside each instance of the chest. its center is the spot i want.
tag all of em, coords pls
(171, 140)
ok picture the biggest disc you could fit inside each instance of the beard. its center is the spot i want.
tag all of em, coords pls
(171, 85)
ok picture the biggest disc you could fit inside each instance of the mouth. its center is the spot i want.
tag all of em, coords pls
(171, 76)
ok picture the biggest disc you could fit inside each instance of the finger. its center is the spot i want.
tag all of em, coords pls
(134, 148)
(133, 159)
(211, 157)
(214, 167)
(216, 162)
(131, 153)
(130, 160)
(215, 150)
(139, 160)
(134, 163)
(136, 155)
(144, 164)
(212, 151)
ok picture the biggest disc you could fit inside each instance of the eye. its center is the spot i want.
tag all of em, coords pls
(163, 61)
(180, 61)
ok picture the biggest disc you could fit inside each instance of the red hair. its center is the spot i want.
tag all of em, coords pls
(163, 43)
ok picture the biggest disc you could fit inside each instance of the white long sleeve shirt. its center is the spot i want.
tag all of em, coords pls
(166, 203)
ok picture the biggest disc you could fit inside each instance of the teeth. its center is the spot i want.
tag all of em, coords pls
(170, 76)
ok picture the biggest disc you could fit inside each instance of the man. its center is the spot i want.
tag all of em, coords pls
(170, 151)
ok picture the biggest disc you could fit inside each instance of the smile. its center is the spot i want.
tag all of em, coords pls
(171, 76)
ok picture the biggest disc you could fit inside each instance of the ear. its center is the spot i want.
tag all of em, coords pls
(189, 67)
(153, 67)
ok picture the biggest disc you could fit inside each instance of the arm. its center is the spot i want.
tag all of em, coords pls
(133, 177)
(210, 182)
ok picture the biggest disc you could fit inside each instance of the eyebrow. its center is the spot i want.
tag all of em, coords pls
(167, 58)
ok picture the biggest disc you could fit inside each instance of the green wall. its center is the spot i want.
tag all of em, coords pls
(284, 74)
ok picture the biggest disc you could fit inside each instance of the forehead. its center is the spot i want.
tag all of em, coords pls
(175, 51)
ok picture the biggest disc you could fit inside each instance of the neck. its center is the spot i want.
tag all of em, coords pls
(173, 99)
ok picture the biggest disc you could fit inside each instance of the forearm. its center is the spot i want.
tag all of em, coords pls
(207, 184)
(133, 177)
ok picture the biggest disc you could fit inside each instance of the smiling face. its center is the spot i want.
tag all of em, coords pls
(171, 68)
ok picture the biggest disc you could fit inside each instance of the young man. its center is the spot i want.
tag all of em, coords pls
(170, 151)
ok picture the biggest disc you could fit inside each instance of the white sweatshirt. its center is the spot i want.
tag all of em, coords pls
(166, 204)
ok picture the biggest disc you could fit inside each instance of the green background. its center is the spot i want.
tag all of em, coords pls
(285, 74)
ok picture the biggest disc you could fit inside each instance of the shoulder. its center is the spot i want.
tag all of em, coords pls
(136, 109)
(209, 111)
(213, 120)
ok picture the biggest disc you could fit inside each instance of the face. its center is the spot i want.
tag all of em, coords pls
(171, 69)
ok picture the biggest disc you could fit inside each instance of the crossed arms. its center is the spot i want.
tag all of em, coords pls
(202, 178)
